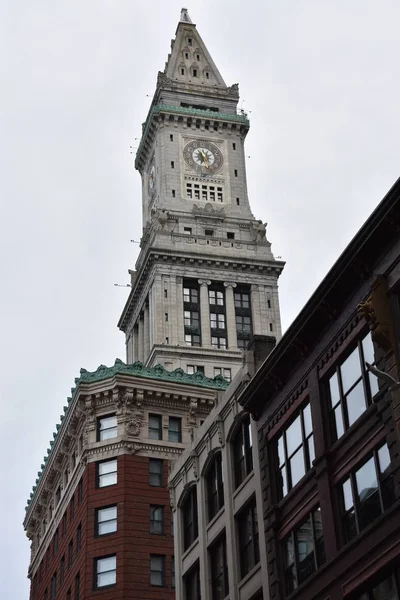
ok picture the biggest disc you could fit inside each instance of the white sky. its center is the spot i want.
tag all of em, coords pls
(321, 80)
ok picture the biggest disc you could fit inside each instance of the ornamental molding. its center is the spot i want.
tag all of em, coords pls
(209, 211)
(300, 390)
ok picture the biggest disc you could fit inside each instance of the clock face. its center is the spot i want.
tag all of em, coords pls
(203, 157)
(152, 179)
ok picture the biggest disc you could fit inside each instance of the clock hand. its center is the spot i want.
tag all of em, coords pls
(207, 164)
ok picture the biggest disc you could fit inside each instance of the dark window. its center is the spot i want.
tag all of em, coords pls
(157, 570)
(106, 520)
(157, 519)
(155, 427)
(248, 538)
(234, 146)
(230, 235)
(62, 570)
(156, 471)
(187, 230)
(80, 491)
(352, 387)
(242, 300)
(194, 72)
(219, 570)
(173, 193)
(303, 551)
(58, 495)
(106, 427)
(243, 451)
(171, 137)
(191, 318)
(243, 323)
(191, 582)
(172, 164)
(190, 523)
(238, 201)
(55, 543)
(69, 594)
(182, 71)
(215, 486)
(226, 373)
(367, 493)
(173, 572)
(175, 429)
(72, 508)
(105, 570)
(77, 585)
(107, 473)
(190, 41)
(197, 56)
(70, 553)
(236, 173)
(207, 75)
(209, 232)
(64, 523)
(192, 369)
(79, 537)
(190, 295)
(54, 586)
(296, 450)
(385, 589)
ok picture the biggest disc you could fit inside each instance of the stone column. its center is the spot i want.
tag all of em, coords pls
(140, 338)
(135, 344)
(151, 312)
(172, 315)
(256, 311)
(146, 333)
(230, 315)
(205, 313)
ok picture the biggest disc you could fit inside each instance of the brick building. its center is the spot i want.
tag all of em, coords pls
(328, 429)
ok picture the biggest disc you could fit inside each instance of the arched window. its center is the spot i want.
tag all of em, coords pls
(242, 451)
(189, 516)
(215, 486)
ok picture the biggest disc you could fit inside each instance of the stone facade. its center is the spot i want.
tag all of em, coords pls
(328, 429)
(197, 223)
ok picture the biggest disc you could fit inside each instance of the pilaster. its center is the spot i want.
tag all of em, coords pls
(230, 315)
(256, 311)
(141, 338)
(205, 313)
(146, 332)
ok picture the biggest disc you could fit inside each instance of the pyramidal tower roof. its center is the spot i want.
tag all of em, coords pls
(190, 61)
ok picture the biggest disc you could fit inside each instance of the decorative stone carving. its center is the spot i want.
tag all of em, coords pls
(191, 416)
(259, 230)
(208, 210)
(233, 90)
(133, 426)
(195, 464)
(220, 431)
(172, 500)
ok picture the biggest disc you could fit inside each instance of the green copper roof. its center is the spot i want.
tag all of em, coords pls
(195, 112)
(138, 370)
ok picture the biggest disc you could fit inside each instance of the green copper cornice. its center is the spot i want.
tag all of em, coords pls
(103, 373)
(194, 112)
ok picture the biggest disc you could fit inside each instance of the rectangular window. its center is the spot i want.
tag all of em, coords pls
(192, 340)
(171, 137)
(218, 342)
(190, 295)
(106, 520)
(191, 581)
(72, 508)
(155, 427)
(157, 519)
(219, 570)
(386, 589)
(225, 373)
(219, 194)
(190, 522)
(69, 594)
(172, 164)
(192, 369)
(212, 193)
(236, 173)
(64, 523)
(187, 230)
(105, 570)
(216, 297)
(77, 585)
(248, 538)
(107, 473)
(191, 318)
(234, 146)
(217, 320)
(62, 570)
(243, 451)
(80, 491)
(173, 193)
(243, 324)
(175, 429)
(230, 235)
(237, 201)
(204, 193)
(156, 471)
(296, 450)
(367, 493)
(54, 586)
(303, 551)
(214, 486)
(209, 232)
(106, 427)
(55, 542)
(242, 300)
(70, 553)
(352, 387)
(79, 537)
(157, 570)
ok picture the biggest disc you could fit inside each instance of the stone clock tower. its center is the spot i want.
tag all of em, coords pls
(205, 279)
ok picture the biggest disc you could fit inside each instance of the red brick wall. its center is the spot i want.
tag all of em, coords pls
(132, 543)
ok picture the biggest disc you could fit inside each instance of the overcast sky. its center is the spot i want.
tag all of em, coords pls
(321, 80)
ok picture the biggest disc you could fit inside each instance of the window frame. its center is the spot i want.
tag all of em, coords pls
(154, 461)
(249, 544)
(96, 572)
(154, 522)
(98, 522)
(162, 571)
(177, 432)
(113, 428)
(190, 524)
(218, 557)
(100, 475)
(242, 437)
(153, 417)
(214, 486)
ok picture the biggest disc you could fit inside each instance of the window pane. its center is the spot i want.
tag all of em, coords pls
(109, 479)
(386, 590)
(281, 451)
(367, 487)
(107, 467)
(297, 466)
(347, 495)
(284, 481)
(106, 578)
(293, 436)
(339, 421)
(107, 527)
(384, 458)
(334, 388)
(311, 449)
(106, 564)
(368, 349)
(291, 580)
(350, 370)
(373, 383)
(106, 514)
(305, 550)
(307, 419)
(356, 403)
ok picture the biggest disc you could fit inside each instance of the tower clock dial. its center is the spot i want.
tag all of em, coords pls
(203, 157)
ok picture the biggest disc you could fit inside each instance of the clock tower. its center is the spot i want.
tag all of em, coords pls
(205, 279)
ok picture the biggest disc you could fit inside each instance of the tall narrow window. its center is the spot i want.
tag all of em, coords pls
(70, 553)
(77, 586)
(106, 427)
(248, 538)
(80, 491)
(215, 486)
(157, 519)
(243, 451)
(62, 570)
(296, 450)
(106, 520)
(175, 429)
(54, 586)
(155, 471)
(352, 387)
(219, 569)
(155, 427)
(105, 571)
(107, 473)
(157, 570)
(79, 537)
(190, 523)
(191, 582)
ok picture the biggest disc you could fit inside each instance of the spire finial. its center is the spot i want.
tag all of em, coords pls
(185, 16)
